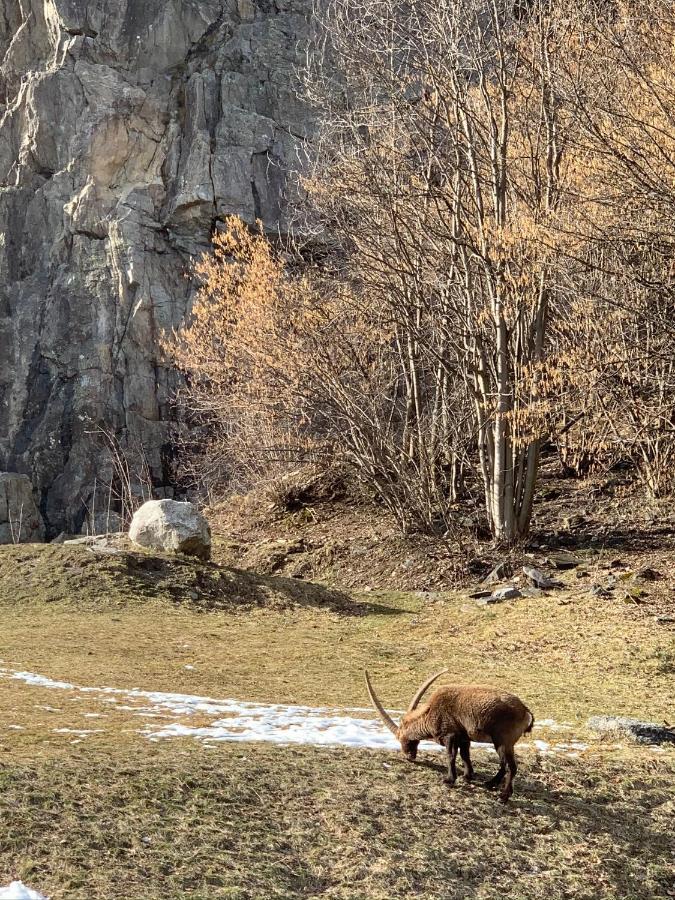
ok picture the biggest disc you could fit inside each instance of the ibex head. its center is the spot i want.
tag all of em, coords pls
(400, 732)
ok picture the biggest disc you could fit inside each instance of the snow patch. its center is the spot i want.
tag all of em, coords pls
(240, 721)
(82, 732)
(286, 726)
(552, 725)
(41, 681)
(18, 891)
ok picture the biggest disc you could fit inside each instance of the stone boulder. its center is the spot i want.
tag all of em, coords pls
(642, 732)
(20, 519)
(171, 525)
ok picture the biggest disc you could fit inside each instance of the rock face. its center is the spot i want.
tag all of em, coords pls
(20, 519)
(173, 526)
(128, 129)
(102, 523)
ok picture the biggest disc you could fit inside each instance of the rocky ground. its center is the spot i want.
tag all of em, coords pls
(595, 536)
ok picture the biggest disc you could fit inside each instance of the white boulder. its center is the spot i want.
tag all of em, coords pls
(20, 519)
(171, 525)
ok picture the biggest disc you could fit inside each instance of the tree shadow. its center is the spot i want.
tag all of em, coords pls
(634, 539)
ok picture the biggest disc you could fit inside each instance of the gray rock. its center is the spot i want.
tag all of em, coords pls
(484, 598)
(90, 540)
(173, 526)
(20, 519)
(485, 601)
(500, 572)
(508, 592)
(642, 732)
(427, 596)
(128, 130)
(532, 592)
(539, 580)
(562, 560)
(479, 595)
(106, 522)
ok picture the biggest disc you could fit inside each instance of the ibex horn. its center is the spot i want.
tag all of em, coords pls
(386, 718)
(420, 693)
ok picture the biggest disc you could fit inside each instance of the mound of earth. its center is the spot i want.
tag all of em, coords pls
(339, 539)
(110, 572)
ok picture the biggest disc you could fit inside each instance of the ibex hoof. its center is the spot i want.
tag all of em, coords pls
(449, 781)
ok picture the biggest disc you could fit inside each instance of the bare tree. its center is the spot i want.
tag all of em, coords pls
(437, 171)
(617, 343)
(481, 260)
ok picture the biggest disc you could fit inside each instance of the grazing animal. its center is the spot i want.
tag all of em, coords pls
(456, 715)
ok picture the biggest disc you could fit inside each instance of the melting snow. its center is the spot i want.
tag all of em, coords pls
(234, 720)
(79, 731)
(40, 681)
(286, 725)
(18, 891)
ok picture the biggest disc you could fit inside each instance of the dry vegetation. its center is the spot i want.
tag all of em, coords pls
(110, 814)
(481, 295)
(482, 264)
(268, 822)
(570, 654)
(120, 573)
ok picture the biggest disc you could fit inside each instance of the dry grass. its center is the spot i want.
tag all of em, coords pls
(114, 816)
(254, 822)
(346, 541)
(120, 574)
(569, 655)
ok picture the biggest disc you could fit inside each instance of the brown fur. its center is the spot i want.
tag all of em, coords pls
(456, 715)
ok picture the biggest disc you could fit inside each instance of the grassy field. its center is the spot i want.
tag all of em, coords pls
(136, 620)
(253, 821)
(111, 815)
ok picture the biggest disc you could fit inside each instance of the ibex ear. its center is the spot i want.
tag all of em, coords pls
(421, 690)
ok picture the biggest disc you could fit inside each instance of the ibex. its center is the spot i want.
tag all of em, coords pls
(455, 716)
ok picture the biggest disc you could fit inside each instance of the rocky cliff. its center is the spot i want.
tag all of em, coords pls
(128, 129)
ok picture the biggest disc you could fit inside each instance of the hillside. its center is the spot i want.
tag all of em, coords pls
(130, 791)
(337, 419)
